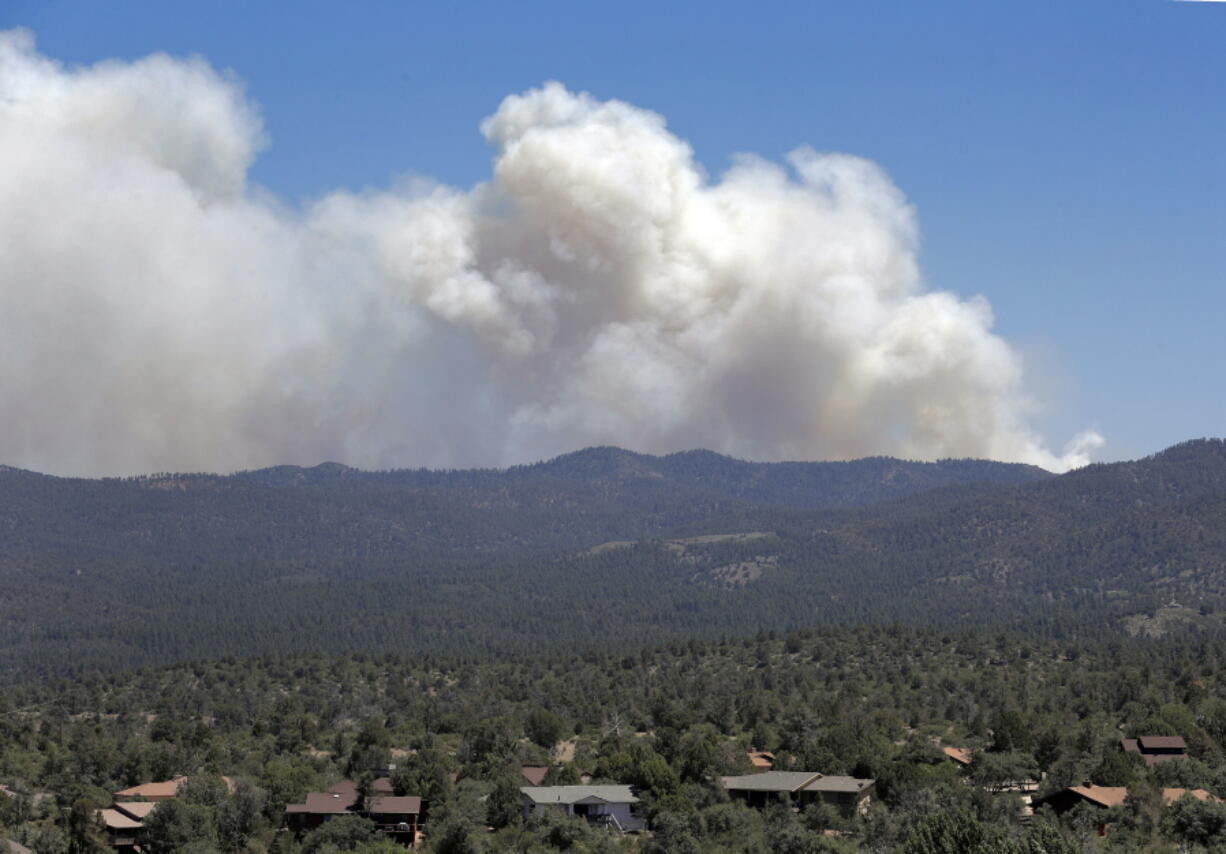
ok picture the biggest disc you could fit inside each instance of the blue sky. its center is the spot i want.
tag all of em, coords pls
(1067, 158)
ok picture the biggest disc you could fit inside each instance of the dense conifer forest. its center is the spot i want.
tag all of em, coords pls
(592, 549)
(876, 703)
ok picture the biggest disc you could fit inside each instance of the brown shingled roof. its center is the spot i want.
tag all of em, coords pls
(324, 803)
(1162, 742)
(534, 774)
(394, 805)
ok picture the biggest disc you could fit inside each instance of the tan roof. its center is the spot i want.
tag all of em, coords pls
(771, 781)
(961, 755)
(8, 846)
(139, 810)
(1114, 796)
(761, 759)
(1172, 795)
(164, 789)
(1107, 796)
(838, 783)
(394, 805)
(115, 820)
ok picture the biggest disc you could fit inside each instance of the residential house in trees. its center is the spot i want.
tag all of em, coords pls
(850, 795)
(1156, 748)
(612, 806)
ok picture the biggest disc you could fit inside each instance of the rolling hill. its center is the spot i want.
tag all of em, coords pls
(596, 548)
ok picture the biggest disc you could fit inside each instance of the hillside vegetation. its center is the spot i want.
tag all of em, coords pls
(121, 572)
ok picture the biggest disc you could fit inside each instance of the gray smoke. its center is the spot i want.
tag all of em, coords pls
(157, 312)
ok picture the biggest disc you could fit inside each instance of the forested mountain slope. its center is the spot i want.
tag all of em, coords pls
(128, 571)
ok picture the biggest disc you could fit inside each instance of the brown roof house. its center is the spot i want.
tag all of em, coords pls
(396, 817)
(1156, 748)
(1110, 796)
(801, 788)
(125, 819)
(125, 823)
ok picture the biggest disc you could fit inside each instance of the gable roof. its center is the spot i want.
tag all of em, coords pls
(534, 774)
(770, 781)
(838, 783)
(1114, 796)
(389, 805)
(8, 846)
(139, 810)
(795, 781)
(1162, 742)
(614, 794)
(324, 803)
(163, 789)
(115, 820)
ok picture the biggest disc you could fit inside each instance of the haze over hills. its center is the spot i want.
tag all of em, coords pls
(598, 547)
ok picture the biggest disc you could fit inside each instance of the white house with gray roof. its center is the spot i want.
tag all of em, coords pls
(608, 805)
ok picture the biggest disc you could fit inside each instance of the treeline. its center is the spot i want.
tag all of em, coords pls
(870, 702)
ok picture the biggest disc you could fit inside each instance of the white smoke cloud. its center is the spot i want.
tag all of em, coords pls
(159, 313)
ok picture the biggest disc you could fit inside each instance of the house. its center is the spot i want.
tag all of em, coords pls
(397, 817)
(8, 846)
(849, 795)
(125, 827)
(613, 806)
(318, 808)
(1156, 748)
(125, 820)
(761, 760)
(1110, 796)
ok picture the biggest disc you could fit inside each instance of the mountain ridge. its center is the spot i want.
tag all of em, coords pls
(330, 558)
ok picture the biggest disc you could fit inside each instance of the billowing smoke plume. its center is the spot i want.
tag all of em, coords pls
(159, 313)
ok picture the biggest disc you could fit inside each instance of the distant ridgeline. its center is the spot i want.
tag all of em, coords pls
(597, 549)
